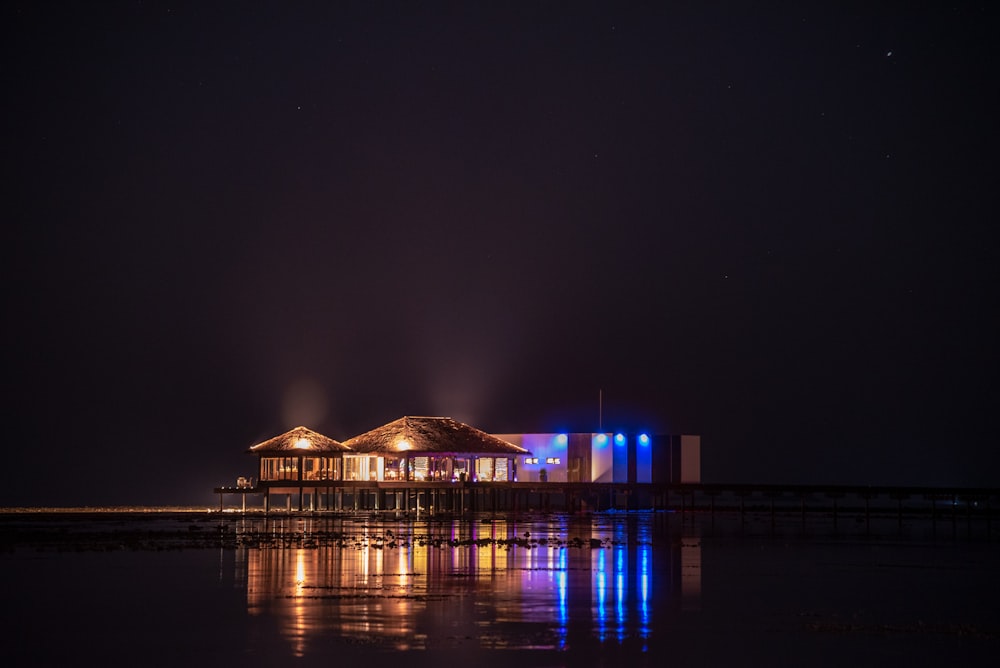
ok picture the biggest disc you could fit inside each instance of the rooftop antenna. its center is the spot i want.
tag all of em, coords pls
(600, 411)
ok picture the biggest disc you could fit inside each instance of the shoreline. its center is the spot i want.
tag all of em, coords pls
(172, 527)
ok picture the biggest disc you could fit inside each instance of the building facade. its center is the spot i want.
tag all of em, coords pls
(310, 471)
(608, 457)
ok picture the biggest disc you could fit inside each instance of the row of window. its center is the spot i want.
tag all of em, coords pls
(287, 468)
(363, 467)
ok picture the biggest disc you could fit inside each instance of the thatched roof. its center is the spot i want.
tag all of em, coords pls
(298, 440)
(436, 435)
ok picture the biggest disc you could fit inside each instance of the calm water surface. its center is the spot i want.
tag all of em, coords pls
(623, 589)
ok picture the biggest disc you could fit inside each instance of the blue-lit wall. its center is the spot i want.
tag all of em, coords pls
(614, 457)
(643, 458)
(620, 449)
(548, 452)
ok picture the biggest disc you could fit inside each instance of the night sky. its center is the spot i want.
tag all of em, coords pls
(770, 228)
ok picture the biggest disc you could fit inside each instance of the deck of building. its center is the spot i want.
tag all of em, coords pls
(468, 497)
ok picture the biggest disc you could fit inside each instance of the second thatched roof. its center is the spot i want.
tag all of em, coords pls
(433, 435)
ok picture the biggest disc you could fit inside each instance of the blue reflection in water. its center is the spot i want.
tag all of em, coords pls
(601, 587)
(644, 594)
(561, 588)
(620, 592)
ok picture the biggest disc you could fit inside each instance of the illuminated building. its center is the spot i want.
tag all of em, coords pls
(427, 462)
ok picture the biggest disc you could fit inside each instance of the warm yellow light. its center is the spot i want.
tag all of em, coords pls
(403, 445)
(303, 444)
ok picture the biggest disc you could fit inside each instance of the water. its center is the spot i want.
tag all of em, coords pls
(615, 589)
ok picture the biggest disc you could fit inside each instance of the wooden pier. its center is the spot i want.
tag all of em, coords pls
(467, 497)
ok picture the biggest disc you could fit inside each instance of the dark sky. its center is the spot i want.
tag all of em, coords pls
(770, 228)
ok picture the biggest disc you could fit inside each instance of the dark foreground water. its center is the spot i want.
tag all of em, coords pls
(617, 590)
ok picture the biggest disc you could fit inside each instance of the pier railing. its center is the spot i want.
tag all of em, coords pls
(743, 498)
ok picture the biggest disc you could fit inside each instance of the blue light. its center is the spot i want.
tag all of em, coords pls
(643, 439)
(602, 440)
(602, 583)
(561, 439)
(619, 439)
(620, 593)
(644, 576)
(563, 616)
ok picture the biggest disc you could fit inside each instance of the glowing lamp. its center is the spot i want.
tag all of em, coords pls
(561, 439)
(619, 439)
(602, 440)
(303, 444)
(403, 445)
(643, 439)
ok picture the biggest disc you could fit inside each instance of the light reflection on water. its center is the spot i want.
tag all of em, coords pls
(463, 584)
(616, 589)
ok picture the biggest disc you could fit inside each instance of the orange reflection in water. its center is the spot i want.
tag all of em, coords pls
(501, 584)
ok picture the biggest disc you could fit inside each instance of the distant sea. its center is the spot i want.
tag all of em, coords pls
(107, 509)
(173, 585)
